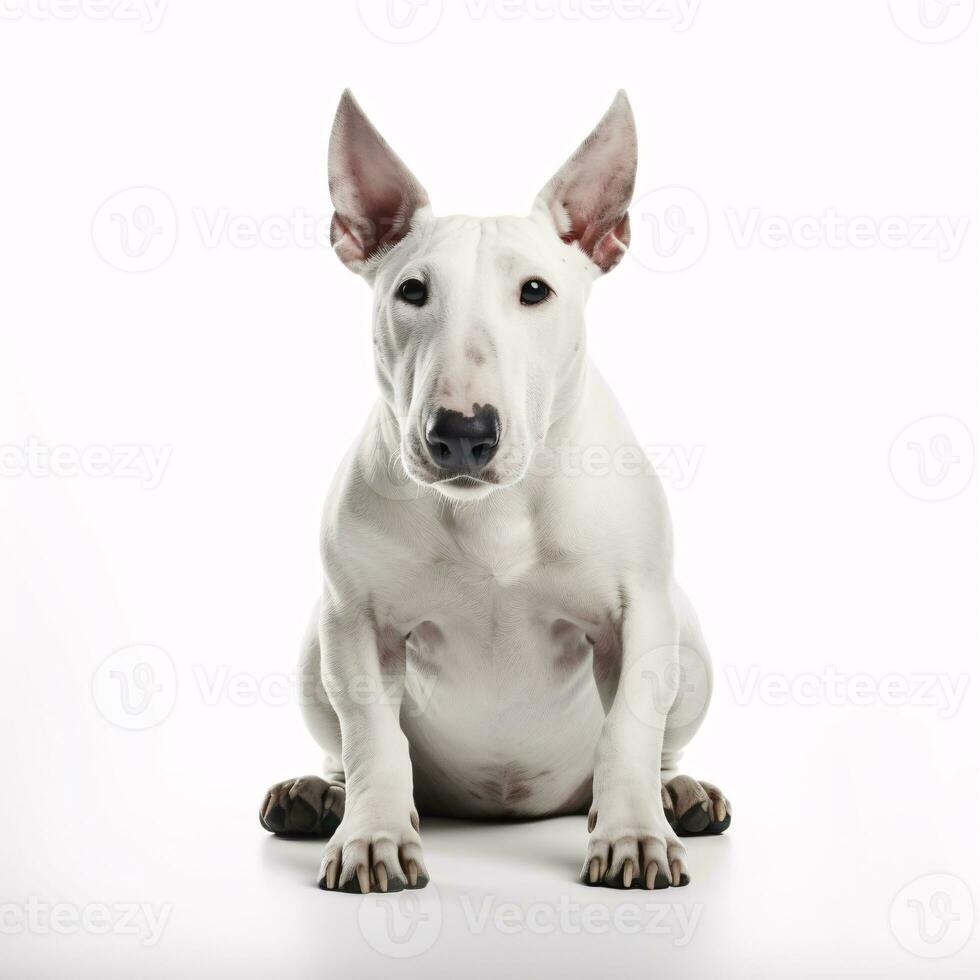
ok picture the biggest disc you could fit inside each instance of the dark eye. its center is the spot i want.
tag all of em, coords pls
(534, 291)
(413, 291)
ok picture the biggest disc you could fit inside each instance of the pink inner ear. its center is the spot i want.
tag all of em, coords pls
(612, 245)
(382, 221)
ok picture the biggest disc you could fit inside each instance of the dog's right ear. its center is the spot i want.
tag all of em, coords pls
(374, 194)
(588, 199)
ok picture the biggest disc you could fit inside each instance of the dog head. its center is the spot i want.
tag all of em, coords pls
(479, 332)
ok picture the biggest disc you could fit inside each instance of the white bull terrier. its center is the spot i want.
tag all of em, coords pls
(499, 633)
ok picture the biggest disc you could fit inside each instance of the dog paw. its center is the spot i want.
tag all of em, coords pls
(362, 858)
(633, 856)
(305, 807)
(696, 809)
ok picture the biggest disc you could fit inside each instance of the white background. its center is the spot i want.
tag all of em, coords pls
(788, 372)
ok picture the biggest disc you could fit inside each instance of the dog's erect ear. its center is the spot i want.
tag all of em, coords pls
(588, 198)
(374, 194)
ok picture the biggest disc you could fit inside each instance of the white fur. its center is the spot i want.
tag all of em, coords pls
(514, 647)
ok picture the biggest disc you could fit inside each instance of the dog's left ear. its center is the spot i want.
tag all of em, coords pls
(589, 197)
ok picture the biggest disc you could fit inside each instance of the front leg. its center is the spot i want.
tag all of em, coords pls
(377, 844)
(631, 839)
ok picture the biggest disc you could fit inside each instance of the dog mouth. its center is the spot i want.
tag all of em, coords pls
(460, 485)
(456, 486)
(485, 480)
(464, 481)
(464, 487)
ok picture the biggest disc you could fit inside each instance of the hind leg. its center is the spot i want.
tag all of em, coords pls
(694, 808)
(310, 806)
(307, 806)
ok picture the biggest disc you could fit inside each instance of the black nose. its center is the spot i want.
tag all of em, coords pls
(464, 443)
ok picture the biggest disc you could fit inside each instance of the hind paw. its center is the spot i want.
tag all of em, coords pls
(694, 808)
(305, 807)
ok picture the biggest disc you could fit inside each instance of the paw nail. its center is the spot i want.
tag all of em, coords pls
(363, 881)
(593, 871)
(381, 874)
(413, 874)
(627, 874)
